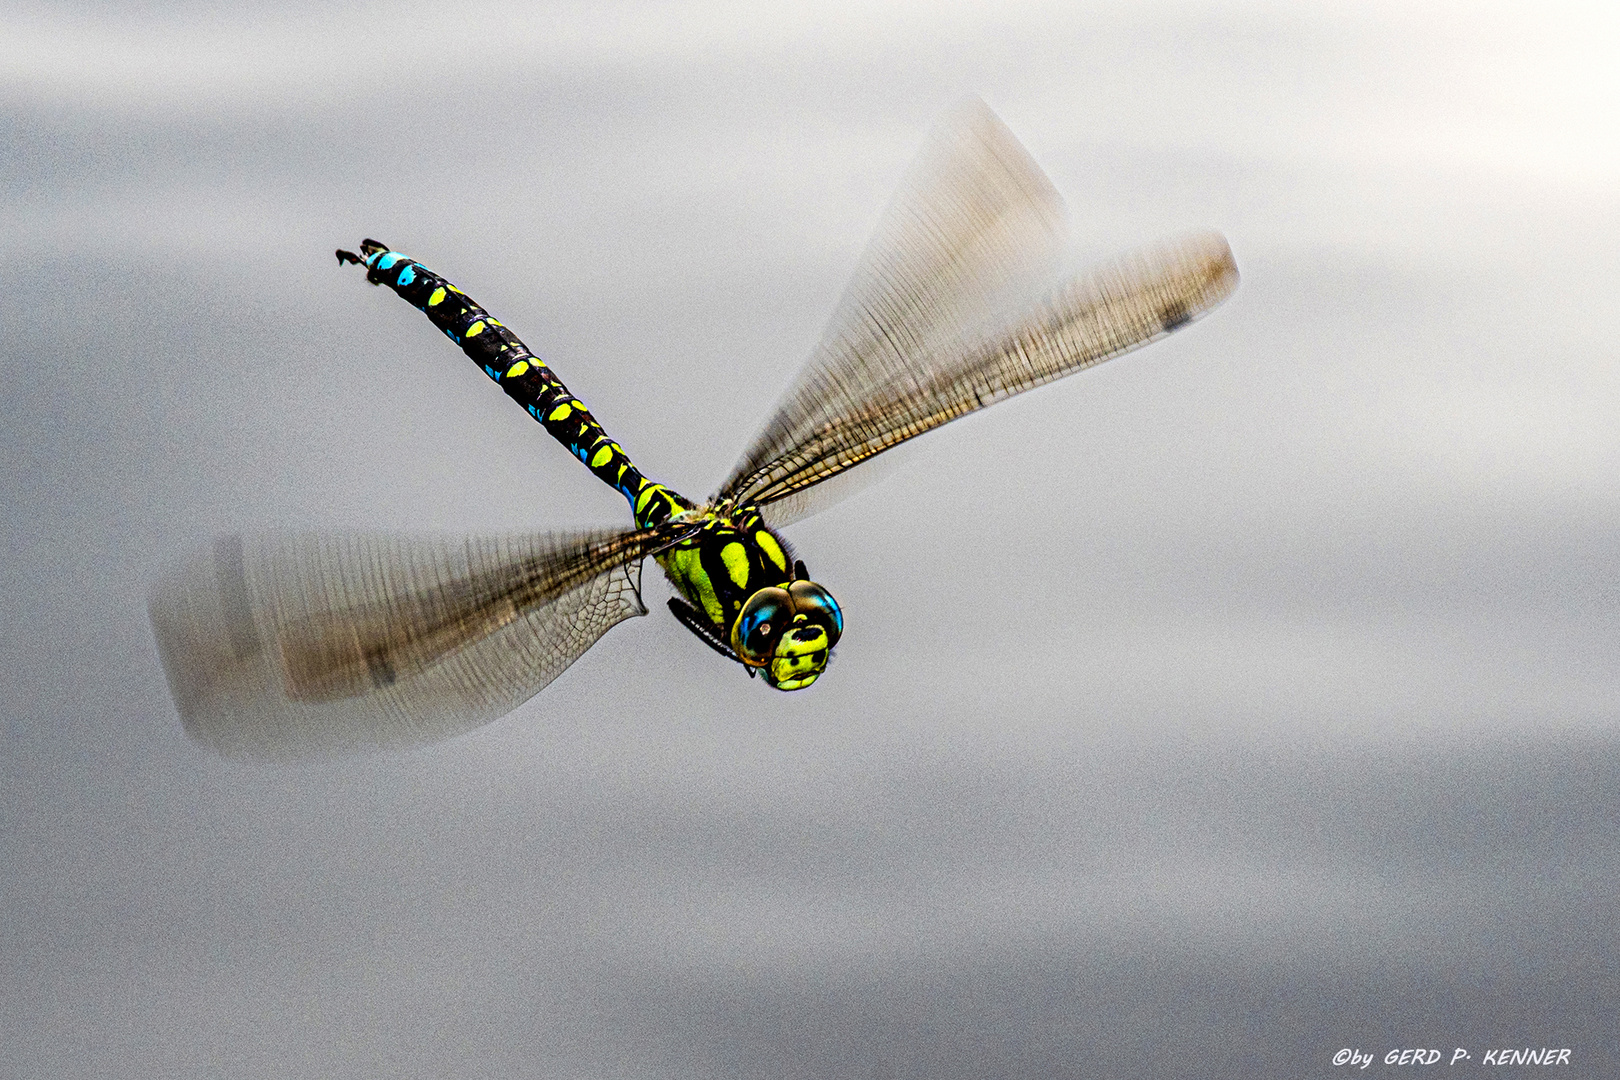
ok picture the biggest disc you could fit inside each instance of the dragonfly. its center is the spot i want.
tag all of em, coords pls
(284, 643)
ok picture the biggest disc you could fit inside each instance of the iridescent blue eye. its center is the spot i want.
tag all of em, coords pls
(817, 603)
(796, 626)
(759, 626)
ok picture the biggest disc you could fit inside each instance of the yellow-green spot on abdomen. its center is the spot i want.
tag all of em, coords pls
(561, 412)
(735, 556)
(601, 457)
(517, 369)
(475, 329)
(767, 543)
(437, 297)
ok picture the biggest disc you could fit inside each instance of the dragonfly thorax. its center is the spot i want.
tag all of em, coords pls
(747, 598)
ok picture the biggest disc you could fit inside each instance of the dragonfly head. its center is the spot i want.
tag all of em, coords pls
(788, 634)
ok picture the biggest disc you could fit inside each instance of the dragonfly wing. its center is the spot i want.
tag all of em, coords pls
(974, 226)
(923, 333)
(1113, 310)
(276, 645)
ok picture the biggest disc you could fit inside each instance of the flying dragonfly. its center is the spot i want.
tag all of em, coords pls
(282, 643)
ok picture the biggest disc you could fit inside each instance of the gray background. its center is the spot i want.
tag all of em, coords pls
(1246, 699)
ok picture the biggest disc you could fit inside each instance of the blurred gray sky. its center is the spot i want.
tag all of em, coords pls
(1273, 714)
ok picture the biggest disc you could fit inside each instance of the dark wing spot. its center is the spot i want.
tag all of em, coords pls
(1174, 316)
(382, 669)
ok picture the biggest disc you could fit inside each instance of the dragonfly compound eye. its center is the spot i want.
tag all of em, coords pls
(759, 626)
(818, 605)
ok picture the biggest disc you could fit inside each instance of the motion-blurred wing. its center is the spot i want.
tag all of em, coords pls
(923, 333)
(975, 225)
(276, 645)
(1110, 311)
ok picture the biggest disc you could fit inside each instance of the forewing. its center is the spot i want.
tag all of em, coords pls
(975, 225)
(278, 645)
(1112, 310)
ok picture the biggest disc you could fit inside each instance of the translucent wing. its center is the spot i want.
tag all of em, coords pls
(276, 645)
(974, 225)
(923, 334)
(1121, 307)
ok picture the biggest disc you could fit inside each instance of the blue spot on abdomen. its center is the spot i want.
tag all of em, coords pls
(407, 275)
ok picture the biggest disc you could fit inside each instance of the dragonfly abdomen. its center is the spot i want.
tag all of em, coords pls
(524, 376)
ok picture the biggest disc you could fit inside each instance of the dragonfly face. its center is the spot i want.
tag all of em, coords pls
(789, 633)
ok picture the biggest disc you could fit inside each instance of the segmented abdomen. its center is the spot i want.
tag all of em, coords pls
(524, 377)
